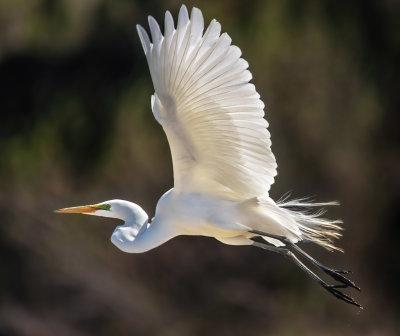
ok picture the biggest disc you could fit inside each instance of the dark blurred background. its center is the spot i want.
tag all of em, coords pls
(77, 128)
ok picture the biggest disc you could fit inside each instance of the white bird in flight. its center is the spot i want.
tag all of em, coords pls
(221, 153)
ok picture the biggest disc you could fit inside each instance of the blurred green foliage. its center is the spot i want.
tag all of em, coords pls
(77, 128)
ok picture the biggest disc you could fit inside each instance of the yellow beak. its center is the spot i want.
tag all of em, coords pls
(78, 209)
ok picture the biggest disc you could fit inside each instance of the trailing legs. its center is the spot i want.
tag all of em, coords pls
(335, 274)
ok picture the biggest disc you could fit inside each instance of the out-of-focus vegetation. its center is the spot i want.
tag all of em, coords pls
(77, 128)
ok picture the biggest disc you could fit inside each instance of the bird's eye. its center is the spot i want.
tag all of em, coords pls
(106, 207)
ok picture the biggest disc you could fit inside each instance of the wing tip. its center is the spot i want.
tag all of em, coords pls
(144, 38)
(183, 9)
(196, 12)
(183, 17)
(155, 30)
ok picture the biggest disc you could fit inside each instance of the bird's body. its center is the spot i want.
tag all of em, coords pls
(221, 153)
(224, 218)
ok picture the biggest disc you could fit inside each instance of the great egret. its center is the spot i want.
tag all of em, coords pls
(222, 161)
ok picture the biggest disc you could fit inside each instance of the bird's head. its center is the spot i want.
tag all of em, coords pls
(133, 215)
(119, 209)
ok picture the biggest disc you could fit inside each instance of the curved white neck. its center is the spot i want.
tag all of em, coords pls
(139, 237)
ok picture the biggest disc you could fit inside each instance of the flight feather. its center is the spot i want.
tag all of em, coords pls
(212, 116)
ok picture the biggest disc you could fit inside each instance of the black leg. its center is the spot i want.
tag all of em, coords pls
(333, 289)
(289, 254)
(335, 274)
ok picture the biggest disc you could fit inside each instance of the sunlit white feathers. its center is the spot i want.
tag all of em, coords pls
(211, 114)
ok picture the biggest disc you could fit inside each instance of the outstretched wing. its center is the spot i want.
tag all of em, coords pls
(211, 114)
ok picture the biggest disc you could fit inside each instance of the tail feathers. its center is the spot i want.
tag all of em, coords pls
(312, 226)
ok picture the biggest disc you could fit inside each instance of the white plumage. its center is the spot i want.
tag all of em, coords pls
(212, 115)
(221, 153)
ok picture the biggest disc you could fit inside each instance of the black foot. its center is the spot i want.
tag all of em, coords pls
(337, 275)
(341, 296)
